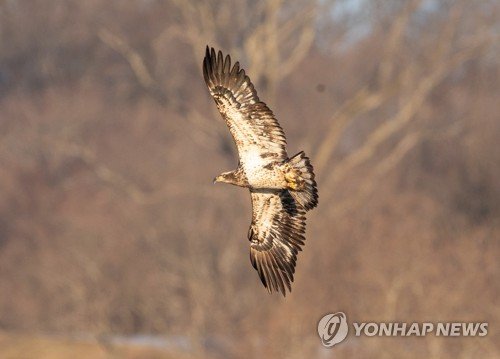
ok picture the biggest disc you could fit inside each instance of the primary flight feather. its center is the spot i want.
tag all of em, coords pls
(282, 189)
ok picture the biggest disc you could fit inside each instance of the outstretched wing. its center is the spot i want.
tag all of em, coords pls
(276, 236)
(250, 121)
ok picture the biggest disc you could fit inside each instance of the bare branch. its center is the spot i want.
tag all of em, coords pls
(395, 39)
(136, 62)
(444, 65)
(368, 185)
(363, 101)
(367, 99)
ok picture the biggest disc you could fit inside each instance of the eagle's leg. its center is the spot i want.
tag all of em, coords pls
(293, 180)
(299, 178)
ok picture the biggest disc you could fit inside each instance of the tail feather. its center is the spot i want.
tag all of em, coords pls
(299, 174)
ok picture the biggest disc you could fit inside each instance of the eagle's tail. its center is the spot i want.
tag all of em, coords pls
(299, 176)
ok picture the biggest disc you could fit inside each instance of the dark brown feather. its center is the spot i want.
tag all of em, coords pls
(250, 121)
(276, 236)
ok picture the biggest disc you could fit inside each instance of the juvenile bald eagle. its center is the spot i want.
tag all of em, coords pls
(282, 189)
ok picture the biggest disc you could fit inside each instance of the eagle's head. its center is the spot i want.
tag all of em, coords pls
(230, 177)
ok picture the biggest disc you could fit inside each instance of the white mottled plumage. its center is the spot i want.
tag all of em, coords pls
(257, 175)
(282, 189)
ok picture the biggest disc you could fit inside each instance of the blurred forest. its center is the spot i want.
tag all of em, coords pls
(110, 225)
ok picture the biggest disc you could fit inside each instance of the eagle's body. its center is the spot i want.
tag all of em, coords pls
(282, 189)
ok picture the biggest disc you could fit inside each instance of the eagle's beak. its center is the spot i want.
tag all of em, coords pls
(216, 179)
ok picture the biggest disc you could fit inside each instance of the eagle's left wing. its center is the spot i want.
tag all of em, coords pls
(252, 124)
(276, 235)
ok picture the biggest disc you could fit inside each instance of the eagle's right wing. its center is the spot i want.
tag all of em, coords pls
(276, 235)
(255, 130)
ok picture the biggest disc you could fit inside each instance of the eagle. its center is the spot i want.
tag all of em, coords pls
(282, 188)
